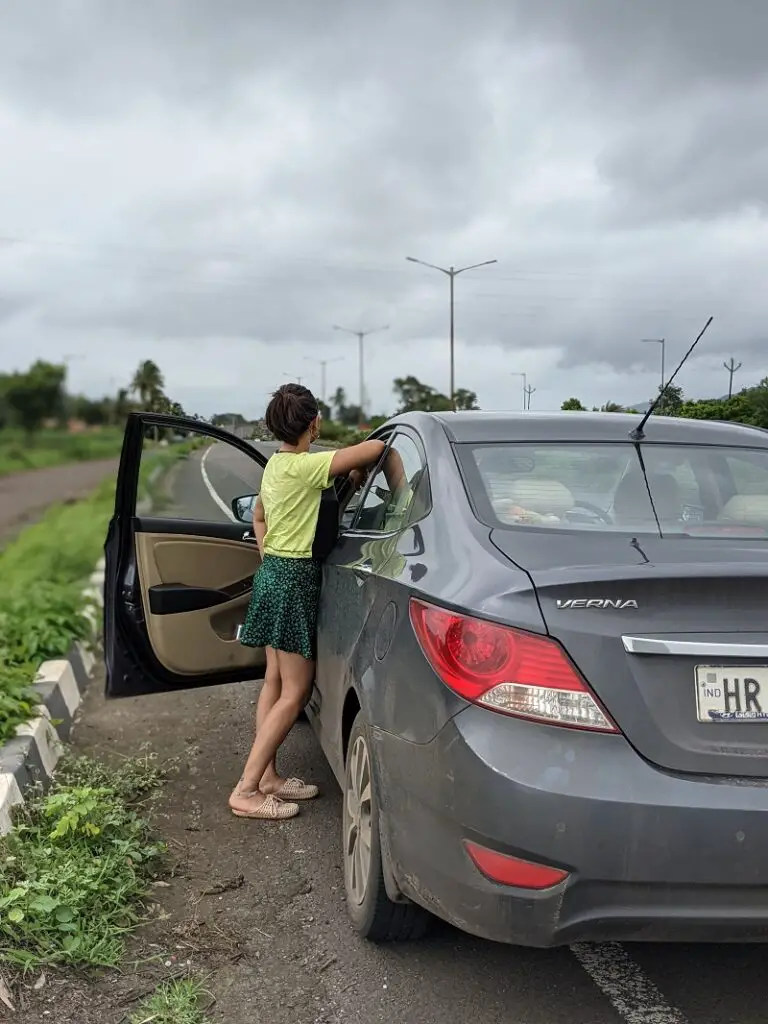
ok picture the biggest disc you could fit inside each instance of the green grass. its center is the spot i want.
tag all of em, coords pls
(18, 452)
(175, 1002)
(43, 572)
(76, 866)
(41, 604)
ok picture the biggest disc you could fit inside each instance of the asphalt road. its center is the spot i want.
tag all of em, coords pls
(450, 976)
(203, 485)
(25, 496)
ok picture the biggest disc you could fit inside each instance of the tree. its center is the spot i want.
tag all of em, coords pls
(93, 412)
(464, 399)
(339, 401)
(611, 407)
(228, 419)
(413, 396)
(573, 405)
(148, 383)
(672, 401)
(36, 395)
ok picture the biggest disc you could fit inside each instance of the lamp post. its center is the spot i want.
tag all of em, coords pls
(361, 336)
(323, 363)
(452, 273)
(658, 341)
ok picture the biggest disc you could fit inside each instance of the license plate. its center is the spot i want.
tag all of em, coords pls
(731, 694)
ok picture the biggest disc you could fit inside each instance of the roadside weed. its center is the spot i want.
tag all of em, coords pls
(175, 1002)
(75, 867)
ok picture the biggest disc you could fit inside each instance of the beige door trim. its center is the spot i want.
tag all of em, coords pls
(204, 641)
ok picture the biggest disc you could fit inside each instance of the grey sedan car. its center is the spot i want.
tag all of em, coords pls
(542, 676)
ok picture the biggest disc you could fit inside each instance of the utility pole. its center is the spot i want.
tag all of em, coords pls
(731, 366)
(662, 342)
(452, 273)
(528, 392)
(525, 382)
(322, 364)
(361, 336)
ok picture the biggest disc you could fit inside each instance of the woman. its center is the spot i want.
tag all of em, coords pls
(282, 616)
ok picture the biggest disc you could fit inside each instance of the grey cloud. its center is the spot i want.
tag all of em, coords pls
(609, 154)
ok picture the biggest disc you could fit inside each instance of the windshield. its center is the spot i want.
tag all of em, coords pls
(661, 489)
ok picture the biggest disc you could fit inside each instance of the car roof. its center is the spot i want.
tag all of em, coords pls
(476, 427)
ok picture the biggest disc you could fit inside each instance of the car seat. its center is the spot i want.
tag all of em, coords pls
(749, 509)
(538, 494)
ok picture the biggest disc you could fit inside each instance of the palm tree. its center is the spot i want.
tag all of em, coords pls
(148, 383)
(339, 402)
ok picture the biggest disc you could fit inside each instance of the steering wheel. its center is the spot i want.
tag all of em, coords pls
(597, 512)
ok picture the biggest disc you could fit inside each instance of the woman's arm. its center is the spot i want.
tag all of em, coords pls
(259, 525)
(357, 456)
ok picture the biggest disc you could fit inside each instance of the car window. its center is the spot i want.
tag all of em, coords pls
(387, 508)
(189, 475)
(675, 489)
(749, 475)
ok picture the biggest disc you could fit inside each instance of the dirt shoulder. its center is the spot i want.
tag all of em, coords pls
(256, 909)
(25, 496)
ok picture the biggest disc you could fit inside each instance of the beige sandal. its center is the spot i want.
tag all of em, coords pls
(296, 789)
(271, 809)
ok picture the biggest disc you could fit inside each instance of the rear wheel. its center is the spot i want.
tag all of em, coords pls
(372, 912)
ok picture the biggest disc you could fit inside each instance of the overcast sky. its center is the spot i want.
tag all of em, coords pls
(214, 183)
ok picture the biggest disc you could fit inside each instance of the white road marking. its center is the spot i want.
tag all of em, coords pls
(209, 487)
(630, 991)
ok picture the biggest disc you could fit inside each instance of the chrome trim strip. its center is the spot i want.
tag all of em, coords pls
(692, 648)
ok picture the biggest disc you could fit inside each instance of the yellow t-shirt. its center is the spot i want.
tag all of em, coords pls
(290, 493)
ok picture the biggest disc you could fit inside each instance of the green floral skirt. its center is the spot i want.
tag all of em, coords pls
(283, 609)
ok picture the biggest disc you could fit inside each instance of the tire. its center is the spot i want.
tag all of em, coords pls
(372, 913)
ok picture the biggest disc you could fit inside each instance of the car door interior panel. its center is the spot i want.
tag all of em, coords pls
(195, 592)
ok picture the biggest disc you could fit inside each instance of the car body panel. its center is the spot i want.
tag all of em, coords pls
(707, 590)
(653, 856)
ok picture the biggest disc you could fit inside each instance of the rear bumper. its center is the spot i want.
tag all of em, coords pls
(651, 856)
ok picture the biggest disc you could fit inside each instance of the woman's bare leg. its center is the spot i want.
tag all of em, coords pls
(296, 675)
(268, 696)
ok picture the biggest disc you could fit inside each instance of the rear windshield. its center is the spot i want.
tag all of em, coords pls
(665, 489)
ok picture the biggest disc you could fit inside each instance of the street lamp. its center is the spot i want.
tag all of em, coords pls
(451, 273)
(293, 377)
(361, 336)
(525, 383)
(657, 341)
(323, 363)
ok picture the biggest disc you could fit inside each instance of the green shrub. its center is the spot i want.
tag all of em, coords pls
(75, 867)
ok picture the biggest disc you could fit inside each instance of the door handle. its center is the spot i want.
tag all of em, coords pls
(248, 536)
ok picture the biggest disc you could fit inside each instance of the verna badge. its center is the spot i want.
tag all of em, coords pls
(596, 602)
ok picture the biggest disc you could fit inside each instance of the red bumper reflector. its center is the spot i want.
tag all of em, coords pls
(500, 867)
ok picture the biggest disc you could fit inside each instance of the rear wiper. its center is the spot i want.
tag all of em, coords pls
(641, 460)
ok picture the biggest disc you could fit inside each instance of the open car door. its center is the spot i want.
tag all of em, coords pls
(180, 558)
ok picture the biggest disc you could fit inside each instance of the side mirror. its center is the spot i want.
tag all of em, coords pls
(243, 508)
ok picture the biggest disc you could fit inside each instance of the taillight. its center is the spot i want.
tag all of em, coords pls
(524, 874)
(505, 669)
